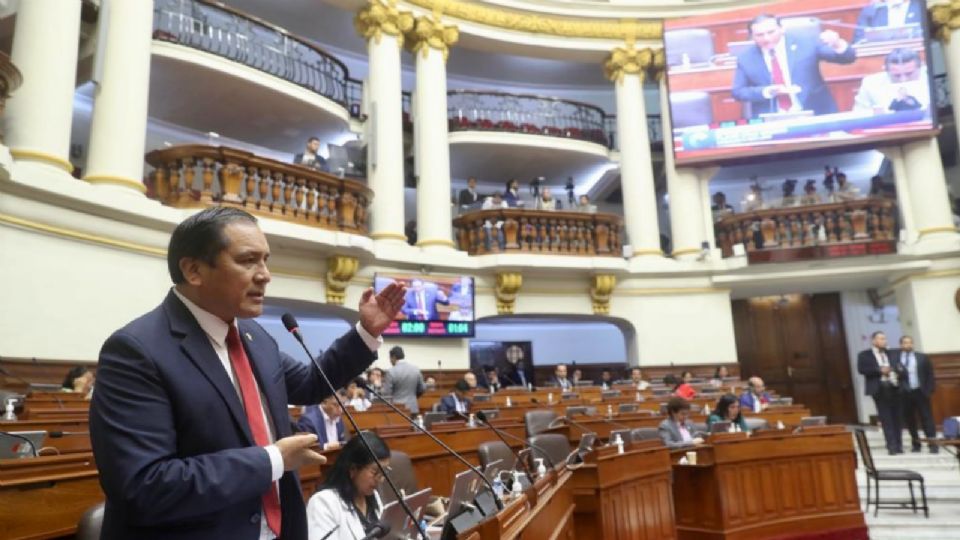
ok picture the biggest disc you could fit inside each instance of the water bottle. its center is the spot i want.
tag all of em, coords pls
(541, 469)
(420, 421)
(779, 424)
(516, 489)
(639, 397)
(619, 442)
(550, 398)
(498, 487)
(8, 415)
(509, 403)
(609, 411)
(472, 421)
(706, 410)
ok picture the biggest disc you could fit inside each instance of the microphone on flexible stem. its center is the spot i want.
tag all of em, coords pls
(606, 420)
(483, 418)
(290, 323)
(561, 419)
(61, 434)
(379, 530)
(440, 443)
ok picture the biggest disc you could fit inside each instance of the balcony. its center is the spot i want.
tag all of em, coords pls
(514, 230)
(820, 231)
(196, 176)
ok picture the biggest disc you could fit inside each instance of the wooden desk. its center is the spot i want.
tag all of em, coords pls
(545, 511)
(746, 488)
(44, 497)
(625, 496)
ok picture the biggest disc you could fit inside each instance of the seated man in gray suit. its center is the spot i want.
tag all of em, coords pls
(675, 431)
(404, 381)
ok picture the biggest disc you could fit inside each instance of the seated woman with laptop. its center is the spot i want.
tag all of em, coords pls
(727, 416)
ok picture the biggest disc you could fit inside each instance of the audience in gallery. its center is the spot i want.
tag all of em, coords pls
(491, 381)
(456, 401)
(468, 197)
(838, 189)
(683, 388)
(310, 157)
(511, 195)
(675, 430)
(755, 398)
(720, 208)
(356, 397)
(719, 375)
(548, 201)
(79, 380)
(585, 206)
(347, 502)
(471, 380)
(326, 421)
(728, 410)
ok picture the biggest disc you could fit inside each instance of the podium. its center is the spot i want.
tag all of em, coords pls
(773, 485)
(544, 511)
(625, 496)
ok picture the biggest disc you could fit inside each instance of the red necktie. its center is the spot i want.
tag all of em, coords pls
(422, 304)
(783, 100)
(258, 426)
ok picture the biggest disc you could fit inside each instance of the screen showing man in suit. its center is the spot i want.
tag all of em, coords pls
(189, 422)
(440, 306)
(784, 76)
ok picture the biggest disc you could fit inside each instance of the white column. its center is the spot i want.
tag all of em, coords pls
(928, 190)
(383, 27)
(119, 127)
(683, 187)
(636, 169)
(39, 114)
(904, 200)
(950, 43)
(434, 225)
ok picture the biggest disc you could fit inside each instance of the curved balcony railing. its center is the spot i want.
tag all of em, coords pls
(497, 111)
(226, 32)
(538, 231)
(843, 229)
(199, 175)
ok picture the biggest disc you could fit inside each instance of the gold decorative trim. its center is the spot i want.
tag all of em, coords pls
(388, 236)
(925, 275)
(508, 288)
(381, 17)
(685, 251)
(945, 18)
(82, 236)
(642, 252)
(627, 60)
(934, 230)
(430, 33)
(436, 242)
(674, 291)
(517, 21)
(43, 157)
(340, 270)
(116, 181)
(601, 289)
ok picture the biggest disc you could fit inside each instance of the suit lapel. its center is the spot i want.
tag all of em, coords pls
(196, 346)
(263, 370)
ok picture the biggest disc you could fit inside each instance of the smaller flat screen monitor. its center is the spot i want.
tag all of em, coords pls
(434, 306)
(720, 427)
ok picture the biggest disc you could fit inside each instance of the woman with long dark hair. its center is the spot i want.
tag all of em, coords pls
(728, 410)
(346, 504)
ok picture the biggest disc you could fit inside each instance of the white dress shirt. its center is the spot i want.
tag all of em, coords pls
(910, 362)
(883, 361)
(897, 14)
(330, 427)
(684, 433)
(216, 331)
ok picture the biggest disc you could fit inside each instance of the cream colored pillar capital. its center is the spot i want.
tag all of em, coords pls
(945, 18)
(601, 290)
(429, 32)
(340, 270)
(627, 60)
(508, 288)
(379, 18)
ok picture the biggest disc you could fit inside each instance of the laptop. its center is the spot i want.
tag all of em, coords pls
(720, 427)
(461, 512)
(21, 444)
(431, 418)
(813, 421)
(400, 524)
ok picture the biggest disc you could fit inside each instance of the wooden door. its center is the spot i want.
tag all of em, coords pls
(796, 343)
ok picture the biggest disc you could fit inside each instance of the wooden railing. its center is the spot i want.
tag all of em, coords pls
(200, 175)
(539, 231)
(870, 223)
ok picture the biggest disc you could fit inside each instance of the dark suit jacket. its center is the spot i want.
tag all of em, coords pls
(447, 404)
(876, 15)
(925, 374)
(320, 163)
(803, 58)
(513, 377)
(465, 198)
(311, 421)
(556, 381)
(868, 366)
(170, 436)
(487, 385)
(430, 301)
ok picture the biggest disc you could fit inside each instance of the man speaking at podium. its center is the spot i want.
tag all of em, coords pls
(782, 73)
(189, 422)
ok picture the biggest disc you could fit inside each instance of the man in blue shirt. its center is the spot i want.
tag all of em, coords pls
(918, 386)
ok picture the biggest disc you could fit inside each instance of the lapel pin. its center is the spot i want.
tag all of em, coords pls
(249, 337)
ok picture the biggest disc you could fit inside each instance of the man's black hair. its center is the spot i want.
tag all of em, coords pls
(200, 236)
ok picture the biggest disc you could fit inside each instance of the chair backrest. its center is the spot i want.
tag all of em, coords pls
(576, 409)
(694, 43)
(692, 108)
(90, 523)
(754, 424)
(402, 474)
(864, 445)
(491, 451)
(645, 434)
(951, 428)
(609, 394)
(537, 421)
(555, 445)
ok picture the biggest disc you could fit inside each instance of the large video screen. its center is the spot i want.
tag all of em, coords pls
(798, 75)
(434, 306)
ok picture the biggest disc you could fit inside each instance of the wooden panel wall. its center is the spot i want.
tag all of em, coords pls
(946, 398)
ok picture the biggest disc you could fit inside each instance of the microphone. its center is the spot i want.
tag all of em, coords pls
(440, 443)
(61, 434)
(483, 419)
(379, 530)
(290, 323)
(561, 419)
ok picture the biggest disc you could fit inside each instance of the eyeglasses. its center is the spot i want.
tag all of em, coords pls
(376, 472)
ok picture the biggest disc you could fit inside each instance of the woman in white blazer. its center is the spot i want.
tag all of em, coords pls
(347, 504)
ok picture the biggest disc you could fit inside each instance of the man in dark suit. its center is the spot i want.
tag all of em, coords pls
(469, 196)
(326, 421)
(560, 379)
(918, 384)
(456, 401)
(782, 72)
(311, 157)
(892, 13)
(189, 422)
(491, 379)
(421, 301)
(881, 376)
